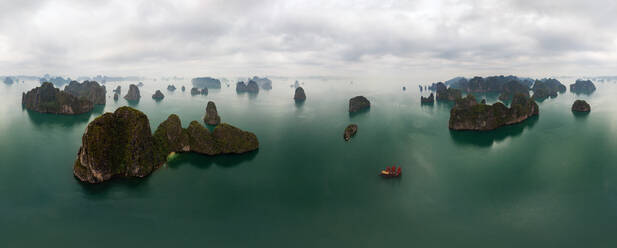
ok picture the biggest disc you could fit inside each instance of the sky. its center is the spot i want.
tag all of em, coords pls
(421, 39)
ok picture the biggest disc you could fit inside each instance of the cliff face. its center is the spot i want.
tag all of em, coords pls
(48, 99)
(118, 144)
(133, 94)
(467, 114)
(121, 144)
(299, 94)
(212, 116)
(358, 103)
(448, 94)
(90, 90)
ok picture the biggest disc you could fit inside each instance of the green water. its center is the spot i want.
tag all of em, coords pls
(549, 182)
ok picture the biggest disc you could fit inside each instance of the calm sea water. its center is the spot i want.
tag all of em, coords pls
(549, 182)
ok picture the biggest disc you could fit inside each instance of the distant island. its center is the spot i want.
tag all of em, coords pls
(250, 87)
(49, 99)
(121, 144)
(264, 82)
(468, 114)
(206, 82)
(582, 87)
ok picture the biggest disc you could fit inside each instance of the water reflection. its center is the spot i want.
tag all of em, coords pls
(580, 116)
(487, 138)
(46, 119)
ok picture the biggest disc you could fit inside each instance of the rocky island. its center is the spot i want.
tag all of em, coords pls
(265, 83)
(206, 82)
(183, 88)
(350, 131)
(8, 80)
(427, 100)
(90, 90)
(48, 99)
(299, 95)
(467, 114)
(546, 88)
(133, 94)
(449, 94)
(158, 95)
(251, 87)
(171, 87)
(358, 103)
(581, 106)
(212, 116)
(121, 144)
(196, 91)
(582, 87)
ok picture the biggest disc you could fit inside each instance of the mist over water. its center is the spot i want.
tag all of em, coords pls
(547, 182)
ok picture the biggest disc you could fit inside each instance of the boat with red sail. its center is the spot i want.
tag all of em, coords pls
(391, 172)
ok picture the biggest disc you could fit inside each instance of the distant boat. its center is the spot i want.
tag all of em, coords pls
(390, 172)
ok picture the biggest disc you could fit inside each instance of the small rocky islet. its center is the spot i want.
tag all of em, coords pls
(171, 87)
(359, 103)
(546, 88)
(350, 131)
(581, 106)
(121, 144)
(299, 95)
(427, 100)
(49, 99)
(196, 91)
(133, 94)
(158, 95)
(250, 87)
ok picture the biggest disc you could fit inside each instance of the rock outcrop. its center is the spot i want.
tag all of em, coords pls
(183, 88)
(299, 96)
(438, 86)
(206, 82)
(48, 99)
(467, 114)
(133, 94)
(120, 144)
(350, 131)
(171, 87)
(250, 87)
(196, 91)
(546, 88)
(582, 87)
(158, 95)
(140, 84)
(115, 96)
(212, 116)
(118, 90)
(358, 103)
(427, 100)
(117, 144)
(90, 90)
(581, 106)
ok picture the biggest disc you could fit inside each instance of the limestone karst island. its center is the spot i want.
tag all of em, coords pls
(296, 123)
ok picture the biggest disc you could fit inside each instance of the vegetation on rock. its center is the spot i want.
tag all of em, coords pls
(581, 106)
(358, 103)
(582, 87)
(467, 114)
(48, 99)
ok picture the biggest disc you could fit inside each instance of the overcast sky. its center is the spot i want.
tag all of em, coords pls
(430, 38)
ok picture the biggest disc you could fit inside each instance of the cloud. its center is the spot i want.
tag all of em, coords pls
(299, 38)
